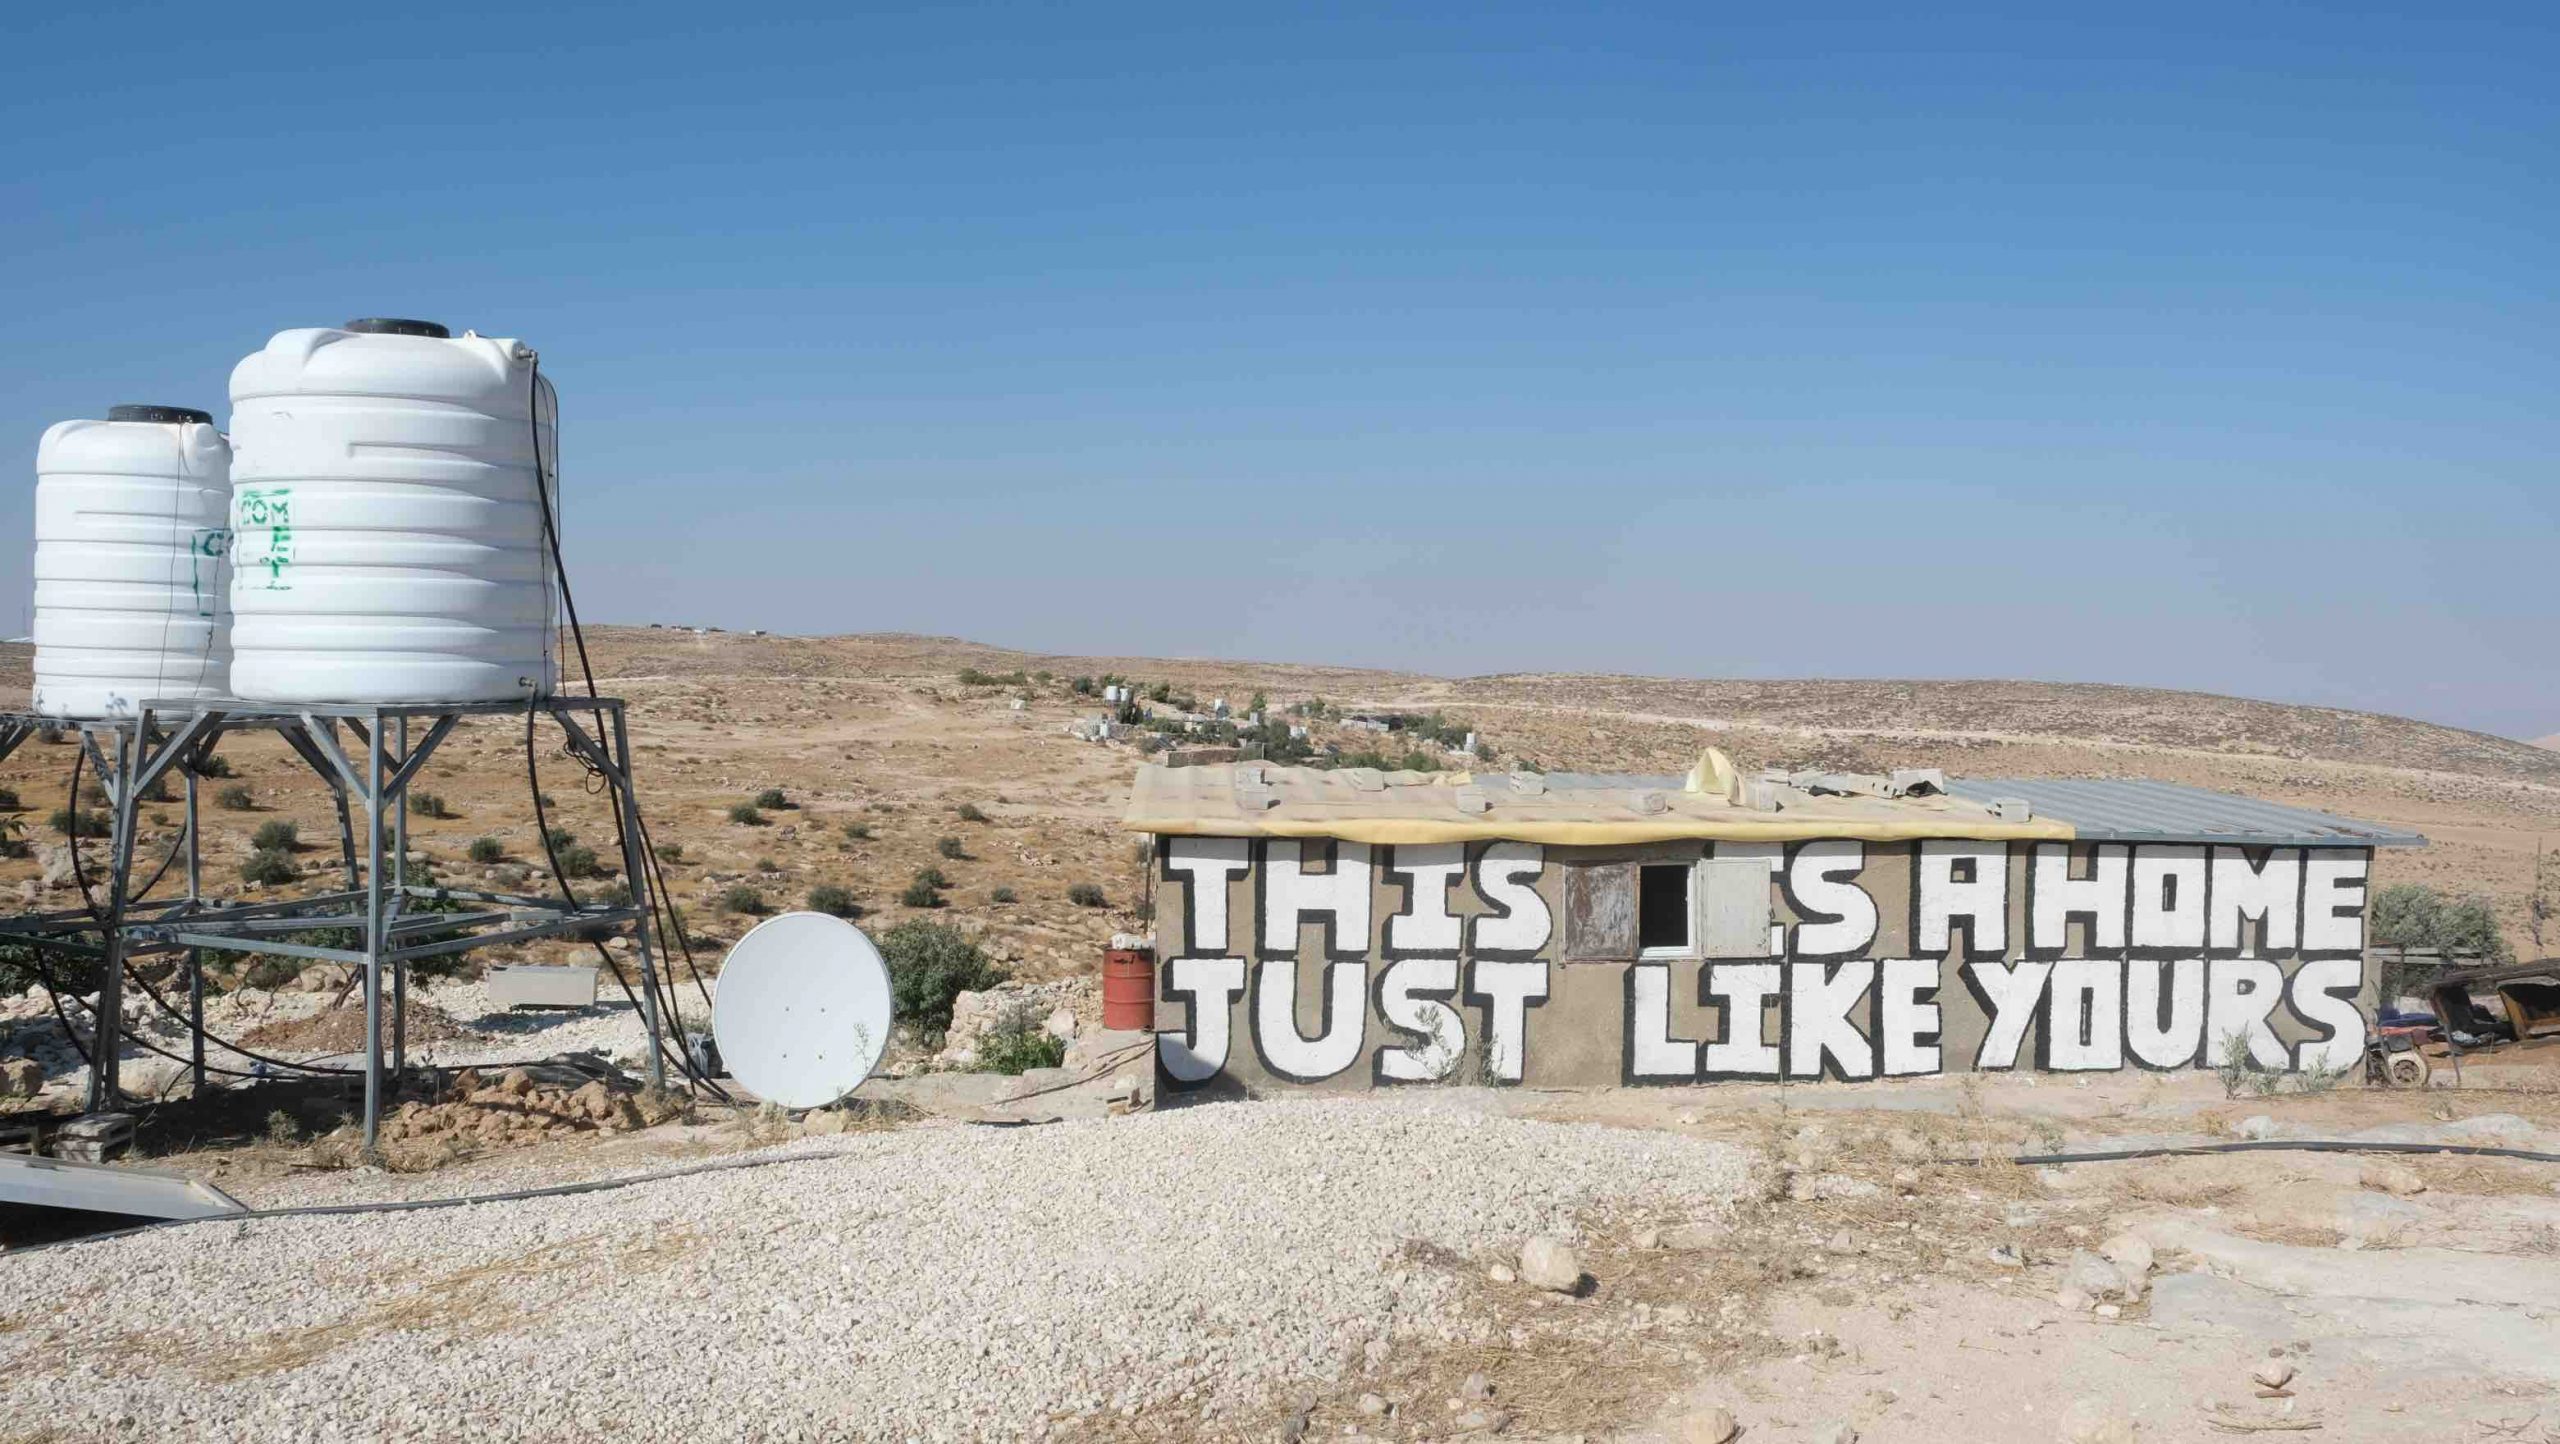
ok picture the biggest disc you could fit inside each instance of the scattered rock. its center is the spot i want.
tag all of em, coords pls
(1483, 1421)
(21, 1078)
(2396, 1179)
(1477, 1388)
(2090, 1421)
(1061, 1023)
(1840, 1433)
(2255, 1127)
(1817, 1187)
(1372, 1406)
(1689, 1238)
(822, 1122)
(1501, 1274)
(2006, 1255)
(1906, 1180)
(1841, 1241)
(1548, 1262)
(2130, 1252)
(2100, 1279)
(1709, 1426)
(1647, 1239)
(2273, 1373)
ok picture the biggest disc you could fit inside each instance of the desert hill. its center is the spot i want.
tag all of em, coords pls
(880, 745)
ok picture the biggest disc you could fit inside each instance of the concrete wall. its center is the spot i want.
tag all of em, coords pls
(1344, 965)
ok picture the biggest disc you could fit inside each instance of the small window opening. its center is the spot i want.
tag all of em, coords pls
(1662, 908)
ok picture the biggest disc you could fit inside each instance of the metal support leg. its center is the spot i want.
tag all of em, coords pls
(373, 942)
(400, 880)
(195, 956)
(106, 1038)
(635, 870)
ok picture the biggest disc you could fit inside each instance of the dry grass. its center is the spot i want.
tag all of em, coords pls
(479, 1299)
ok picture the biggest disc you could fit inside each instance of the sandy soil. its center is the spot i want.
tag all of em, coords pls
(879, 733)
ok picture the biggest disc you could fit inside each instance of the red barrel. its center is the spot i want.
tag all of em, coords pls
(1128, 990)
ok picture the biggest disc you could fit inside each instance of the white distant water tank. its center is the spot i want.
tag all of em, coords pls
(132, 587)
(387, 535)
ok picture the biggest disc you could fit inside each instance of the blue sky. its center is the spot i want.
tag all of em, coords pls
(2196, 346)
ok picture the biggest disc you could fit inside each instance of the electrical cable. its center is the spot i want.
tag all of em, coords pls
(420, 1205)
(2279, 1145)
(725, 1165)
(559, 875)
(89, 899)
(660, 990)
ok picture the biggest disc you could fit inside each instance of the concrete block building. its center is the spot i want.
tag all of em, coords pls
(1350, 928)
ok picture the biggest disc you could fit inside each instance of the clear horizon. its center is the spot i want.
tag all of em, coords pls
(2188, 350)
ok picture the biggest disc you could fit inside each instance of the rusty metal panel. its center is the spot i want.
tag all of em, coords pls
(1599, 912)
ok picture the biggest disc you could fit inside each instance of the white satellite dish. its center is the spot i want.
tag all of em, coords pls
(802, 1011)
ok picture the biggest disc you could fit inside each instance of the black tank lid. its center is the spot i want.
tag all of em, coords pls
(171, 415)
(395, 326)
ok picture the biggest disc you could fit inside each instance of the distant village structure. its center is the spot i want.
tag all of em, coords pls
(1351, 928)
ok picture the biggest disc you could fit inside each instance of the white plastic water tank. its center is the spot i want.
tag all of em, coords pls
(132, 586)
(387, 535)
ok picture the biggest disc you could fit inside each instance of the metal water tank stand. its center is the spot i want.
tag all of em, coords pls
(77, 932)
(373, 904)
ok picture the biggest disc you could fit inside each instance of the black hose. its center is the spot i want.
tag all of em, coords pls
(2279, 1145)
(89, 899)
(420, 1205)
(661, 991)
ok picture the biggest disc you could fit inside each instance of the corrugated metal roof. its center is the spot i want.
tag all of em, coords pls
(2131, 810)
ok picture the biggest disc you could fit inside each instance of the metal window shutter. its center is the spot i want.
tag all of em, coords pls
(1733, 895)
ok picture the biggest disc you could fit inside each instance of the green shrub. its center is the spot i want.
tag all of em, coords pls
(834, 901)
(1015, 1046)
(8, 799)
(13, 838)
(278, 835)
(429, 804)
(1087, 895)
(266, 970)
(579, 860)
(950, 847)
(235, 798)
(671, 852)
(743, 899)
(158, 791)
(766, 864)
(1083, 687)
(215, 766)
(929, 965)
(772, 800)
(971, 812)
(932, 877)
(857, 832)
(921, 894)
(269, 866)
(1001, 895)
(972, 677)
(745, 814)
(486, 849)
(80, 822)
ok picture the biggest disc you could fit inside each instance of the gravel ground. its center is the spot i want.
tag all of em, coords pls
(931, 1284)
